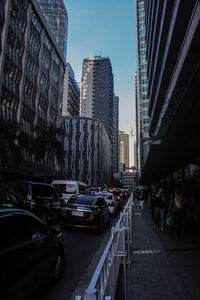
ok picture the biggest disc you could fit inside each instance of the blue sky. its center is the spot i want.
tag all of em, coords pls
(106, 28)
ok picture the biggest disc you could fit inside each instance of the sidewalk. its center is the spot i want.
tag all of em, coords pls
(163, 266)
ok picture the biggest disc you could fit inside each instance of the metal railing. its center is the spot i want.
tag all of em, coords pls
(104, 280)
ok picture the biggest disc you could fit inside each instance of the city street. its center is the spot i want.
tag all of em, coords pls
(83, 248)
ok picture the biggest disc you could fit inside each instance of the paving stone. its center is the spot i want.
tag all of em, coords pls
(163, 266)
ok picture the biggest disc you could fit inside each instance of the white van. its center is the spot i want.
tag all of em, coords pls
(69, 188)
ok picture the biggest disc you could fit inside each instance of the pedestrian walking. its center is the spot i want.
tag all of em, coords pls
(152, 199)
(141, 200)
(176, 208)
(159, 210)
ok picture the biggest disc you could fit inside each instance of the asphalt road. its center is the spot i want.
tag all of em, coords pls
(82, 246)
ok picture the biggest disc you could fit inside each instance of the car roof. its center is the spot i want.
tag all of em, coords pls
(85, 198)
(67, 181)
(27, 181)
(6, 211)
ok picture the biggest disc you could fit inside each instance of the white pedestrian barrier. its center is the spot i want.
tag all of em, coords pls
(104, 280)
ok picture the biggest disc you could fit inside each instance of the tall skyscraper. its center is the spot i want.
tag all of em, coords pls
(142, 103)
(136, 147)
(97, 96)
(56, 16)
(116, 136)
(124, 149)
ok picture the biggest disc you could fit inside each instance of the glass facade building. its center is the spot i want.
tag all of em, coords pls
(56, 16)
(141, 84)
(31, 68)
(172, 36)
(71, 93)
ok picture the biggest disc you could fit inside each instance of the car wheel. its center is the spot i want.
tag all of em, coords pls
(58, 267)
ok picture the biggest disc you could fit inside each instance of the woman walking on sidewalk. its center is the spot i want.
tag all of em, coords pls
(159, 210)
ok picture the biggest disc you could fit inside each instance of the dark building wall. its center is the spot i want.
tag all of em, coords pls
(174, 72)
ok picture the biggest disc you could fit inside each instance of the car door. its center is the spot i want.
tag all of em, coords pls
(17, 277)
(44, 248)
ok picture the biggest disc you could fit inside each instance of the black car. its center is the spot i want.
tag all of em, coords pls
(39, 198)
(31, 254)
(85, 211)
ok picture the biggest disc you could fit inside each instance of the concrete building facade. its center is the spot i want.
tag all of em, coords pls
(87, 151)
(124, 150)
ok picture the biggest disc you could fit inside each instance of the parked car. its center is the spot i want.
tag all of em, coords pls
(85, 211)
(39, 198)
(110, 199)
(7, 199)
(31, 254)
(68, 188)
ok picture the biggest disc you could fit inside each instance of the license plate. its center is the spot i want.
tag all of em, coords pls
(77, 213)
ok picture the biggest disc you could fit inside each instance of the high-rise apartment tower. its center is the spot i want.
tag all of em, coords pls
(97, 96)
(124, 149)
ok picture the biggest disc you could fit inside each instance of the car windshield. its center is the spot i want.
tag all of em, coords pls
(82, 200)
(70, 189)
